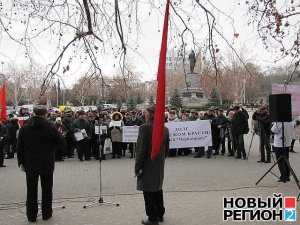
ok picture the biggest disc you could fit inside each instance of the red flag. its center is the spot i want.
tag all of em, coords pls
(159, 116)
(3, 111)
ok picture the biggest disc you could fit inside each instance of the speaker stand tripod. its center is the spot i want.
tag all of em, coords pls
(287, 163)
(100, 201)
(253, 134)
(290, 168)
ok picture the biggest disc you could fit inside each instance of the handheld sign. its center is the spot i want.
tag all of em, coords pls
(130, 134)
(78, 136)
(190, 134)
(101, 130)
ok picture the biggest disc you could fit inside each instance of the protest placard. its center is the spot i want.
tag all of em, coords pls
(187, 134)
(190, 134)
(101, 130)
(78, 136)
(130, 134)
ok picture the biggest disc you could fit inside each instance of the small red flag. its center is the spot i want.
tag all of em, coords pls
(159, 116)
(3, 110)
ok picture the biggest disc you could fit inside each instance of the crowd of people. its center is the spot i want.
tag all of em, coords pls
(227, 127)
(69, 124)
(81, 134)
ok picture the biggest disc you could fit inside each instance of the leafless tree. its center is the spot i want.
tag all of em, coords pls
(23, 83)
(278, 25)
(84, 29)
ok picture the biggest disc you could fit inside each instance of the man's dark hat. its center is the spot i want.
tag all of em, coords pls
(68, 113)
(81, 112)
(40, 110)
(236, 107)
(151, 109)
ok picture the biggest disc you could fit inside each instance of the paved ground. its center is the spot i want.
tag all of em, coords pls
(194, 190)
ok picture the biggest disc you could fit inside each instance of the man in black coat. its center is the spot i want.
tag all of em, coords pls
(221, 122)
(150, 173)
(2, 138)
(239, 127)
(214, 131)
(94, 142)
(68, 124)
(264, 131)
(36, 146)
(82, 125)
(11, 136)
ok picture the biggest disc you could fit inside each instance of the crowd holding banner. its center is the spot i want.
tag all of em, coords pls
(187, 134)
(116, 132)
(96, 134)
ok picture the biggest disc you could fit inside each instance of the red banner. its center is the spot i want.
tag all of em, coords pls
(3, 112)
(159, 117)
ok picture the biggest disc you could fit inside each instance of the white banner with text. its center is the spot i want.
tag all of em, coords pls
(190, 134)
(130, 134)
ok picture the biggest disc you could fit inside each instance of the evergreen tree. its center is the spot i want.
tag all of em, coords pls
(214, 97)
(176, 100)
(139, 99)
(151, 100)
(131, 104)
(119, 105)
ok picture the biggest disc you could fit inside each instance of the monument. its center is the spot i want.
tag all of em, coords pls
(193, 95)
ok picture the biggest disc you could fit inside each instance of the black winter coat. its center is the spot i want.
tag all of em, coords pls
(12, 128)
(150, 173)
(264, 123)
(68, 124)
(222, 121)
(81, 124)
(36, 146)
(2, 135)
(239, 123)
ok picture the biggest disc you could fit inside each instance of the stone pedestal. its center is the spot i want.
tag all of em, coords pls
(193, 95)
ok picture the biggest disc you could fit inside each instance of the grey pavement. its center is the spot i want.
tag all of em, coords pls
(194, 189)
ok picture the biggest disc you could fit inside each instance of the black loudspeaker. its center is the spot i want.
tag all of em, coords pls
(280, 107)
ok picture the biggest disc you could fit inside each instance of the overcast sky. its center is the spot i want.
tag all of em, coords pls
(145, 58)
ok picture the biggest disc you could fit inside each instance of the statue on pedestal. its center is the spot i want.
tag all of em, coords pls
(193, 96)
(192, 59)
